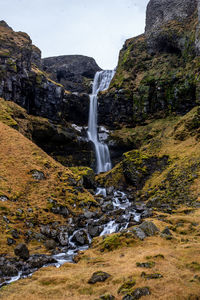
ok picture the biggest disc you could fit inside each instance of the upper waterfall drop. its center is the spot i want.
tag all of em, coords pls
(101, 82)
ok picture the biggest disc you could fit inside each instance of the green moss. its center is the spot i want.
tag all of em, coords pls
(114, 177)
(126, 287)
(116, 241)
(175, 188)
(6, 114)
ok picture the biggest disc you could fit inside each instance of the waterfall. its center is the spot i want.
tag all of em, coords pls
(101, 82)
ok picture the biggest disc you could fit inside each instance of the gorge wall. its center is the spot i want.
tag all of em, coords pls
(45, 88)
(157, 72)
(40, 92)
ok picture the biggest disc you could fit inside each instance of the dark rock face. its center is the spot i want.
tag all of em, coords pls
(22, 81)
(117, 107)
(74, 72)
(153, 77)
(160, 12)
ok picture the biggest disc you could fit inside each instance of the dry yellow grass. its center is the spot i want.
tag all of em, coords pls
(18, 157)
(70, 281)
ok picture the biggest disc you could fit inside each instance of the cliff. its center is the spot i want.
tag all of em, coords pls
(74, 72)
(157, 72)
(23, 81)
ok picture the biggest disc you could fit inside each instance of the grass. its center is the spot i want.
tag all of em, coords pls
(173, 260)
(18, 157)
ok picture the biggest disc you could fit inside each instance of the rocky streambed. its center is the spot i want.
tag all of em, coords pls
(118, 212)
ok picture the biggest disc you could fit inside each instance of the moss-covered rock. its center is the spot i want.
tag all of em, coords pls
(150, 83)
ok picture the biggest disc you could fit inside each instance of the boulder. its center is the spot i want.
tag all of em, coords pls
(63, 238)
(22, 251)
(138, 233)
(80, 238)
(149, 228)
(50, 244)
(137, 293)
(98, 277)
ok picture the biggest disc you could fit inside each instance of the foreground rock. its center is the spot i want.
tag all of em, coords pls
(137, 293)
(22, 251)
(98, 277)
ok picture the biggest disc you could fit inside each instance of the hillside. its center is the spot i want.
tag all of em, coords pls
(29, 179)
(140, 221)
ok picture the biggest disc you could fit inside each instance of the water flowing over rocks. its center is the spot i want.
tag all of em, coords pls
(116, 214)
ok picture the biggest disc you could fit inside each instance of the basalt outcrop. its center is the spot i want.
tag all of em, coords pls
(23, 81)
(157, 72)
(74, 72)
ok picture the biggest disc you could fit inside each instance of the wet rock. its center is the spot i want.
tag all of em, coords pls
(137, 293)
(98, 277)
(63, 237)
(38, 261)
(138, 233)
(10, 241)
(37, 175)
(80, 238)
(94, 230)
(50, 244)
(22, 251)
(107, 207)
(149, 228)
(110, 190)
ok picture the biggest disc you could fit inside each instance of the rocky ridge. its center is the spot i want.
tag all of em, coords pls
(74, 72)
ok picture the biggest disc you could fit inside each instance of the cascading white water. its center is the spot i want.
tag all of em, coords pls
(101, 82)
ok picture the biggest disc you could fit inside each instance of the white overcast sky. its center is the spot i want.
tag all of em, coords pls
(96, 28)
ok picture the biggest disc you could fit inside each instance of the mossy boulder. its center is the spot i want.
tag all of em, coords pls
(126, 286)
(98, 276)
(86, 175)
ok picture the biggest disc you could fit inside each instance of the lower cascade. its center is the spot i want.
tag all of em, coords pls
(102, 81)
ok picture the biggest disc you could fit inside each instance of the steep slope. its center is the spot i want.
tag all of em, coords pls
(31, 184)
(64, 142)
